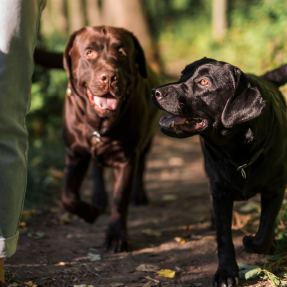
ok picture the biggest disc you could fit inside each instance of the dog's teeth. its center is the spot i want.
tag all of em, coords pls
(172, 124)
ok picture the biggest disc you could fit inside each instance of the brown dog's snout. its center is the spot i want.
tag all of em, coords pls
(106, 77)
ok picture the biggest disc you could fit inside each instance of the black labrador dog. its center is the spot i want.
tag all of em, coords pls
(242, 122)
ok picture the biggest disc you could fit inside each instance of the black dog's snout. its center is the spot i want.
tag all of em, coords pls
(156, 92)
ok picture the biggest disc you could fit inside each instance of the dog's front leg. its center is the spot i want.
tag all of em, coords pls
(227, 272)
(75, 170)
(117, 238)
(99, 195)
(262, 242)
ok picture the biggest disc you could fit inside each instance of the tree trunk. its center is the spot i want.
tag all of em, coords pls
(46, 27)
(219, 19)
(130, 14)
(58, 16)
(93, 13)
(76, 15)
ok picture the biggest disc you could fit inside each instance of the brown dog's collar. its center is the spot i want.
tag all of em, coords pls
(81, 115)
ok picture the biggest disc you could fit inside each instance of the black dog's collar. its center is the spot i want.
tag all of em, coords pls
(257, 154)
(242, 167)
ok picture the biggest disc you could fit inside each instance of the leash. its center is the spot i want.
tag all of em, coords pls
(257, 154)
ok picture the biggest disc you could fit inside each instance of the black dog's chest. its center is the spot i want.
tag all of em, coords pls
(224, 177)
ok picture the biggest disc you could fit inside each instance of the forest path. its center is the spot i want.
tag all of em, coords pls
(53, 248)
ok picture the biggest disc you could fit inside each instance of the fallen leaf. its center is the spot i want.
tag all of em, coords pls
(148, 284)
(169, 197)
(56, 173)
(179, 240)
(152, 232)
(147, 268)
(37, 235)
(30, 284)
(166, 273)
(13, 285)
(116, 284)
(248, 271)
(176, 161)
(28, 213)
(41, 235)
(65, 218)
(94, 257)
(186, 227)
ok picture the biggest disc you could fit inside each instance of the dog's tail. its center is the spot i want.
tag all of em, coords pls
(277, 76)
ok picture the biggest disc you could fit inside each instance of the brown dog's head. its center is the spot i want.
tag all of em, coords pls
(101, 63)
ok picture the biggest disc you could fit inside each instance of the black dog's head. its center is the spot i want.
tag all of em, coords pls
(209, 94)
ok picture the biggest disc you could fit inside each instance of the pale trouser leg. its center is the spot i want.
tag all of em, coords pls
(19, 22)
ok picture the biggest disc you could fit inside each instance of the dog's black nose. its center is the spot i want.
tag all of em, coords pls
(157, 93)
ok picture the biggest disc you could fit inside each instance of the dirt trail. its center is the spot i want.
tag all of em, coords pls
(53, 250)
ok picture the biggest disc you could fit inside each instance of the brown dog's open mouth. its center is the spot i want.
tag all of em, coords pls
(104, 102)
(181, 124)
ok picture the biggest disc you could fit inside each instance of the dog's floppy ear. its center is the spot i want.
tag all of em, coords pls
(245, 104)
(67, 59)
(140, 57)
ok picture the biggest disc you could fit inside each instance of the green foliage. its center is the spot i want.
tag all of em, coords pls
(281, 229)
(44, 123)
(255, 40)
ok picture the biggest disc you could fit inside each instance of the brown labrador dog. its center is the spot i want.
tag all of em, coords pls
(108, 119)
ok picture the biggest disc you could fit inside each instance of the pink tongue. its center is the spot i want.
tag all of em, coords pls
(166, 121)
(106, 103)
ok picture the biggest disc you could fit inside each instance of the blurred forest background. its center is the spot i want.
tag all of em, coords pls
(251, 34)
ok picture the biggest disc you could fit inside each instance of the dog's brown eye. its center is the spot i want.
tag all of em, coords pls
(90, 53)
(121, 53)
(204, 82)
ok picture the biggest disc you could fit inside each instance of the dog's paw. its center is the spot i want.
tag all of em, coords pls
(83, 209)
(250, 246)
(91, 213)
(224, 278)
(117, 239)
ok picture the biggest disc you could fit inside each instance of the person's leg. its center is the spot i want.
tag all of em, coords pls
(19, 21)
